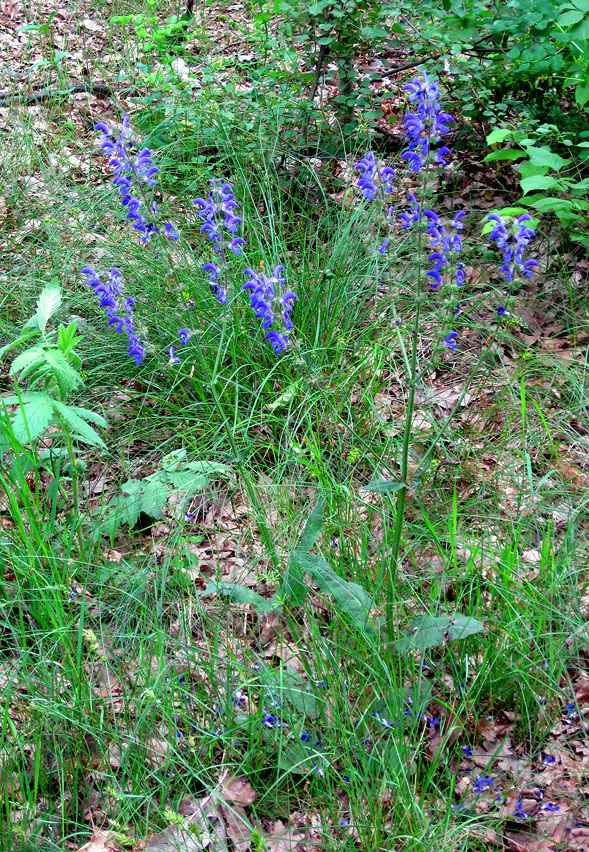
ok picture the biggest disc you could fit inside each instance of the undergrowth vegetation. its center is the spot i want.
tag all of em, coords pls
(293, 430)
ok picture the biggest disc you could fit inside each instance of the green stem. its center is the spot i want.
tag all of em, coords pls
(402, 495)
(75, 483)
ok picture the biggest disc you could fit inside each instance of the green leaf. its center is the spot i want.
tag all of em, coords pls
(64, 374)
(240, 594)
(528, 184)
(568, 19)
(66, 337)
(90, 416)
(384, 486)
(504, 154)
(49, 301)
(543, 156)
(312, 529)
(296, 690)
(35, 414)
(499, 135)
(350, 598)
(581, 94)
(432, 631)
(27, 361)
(75, 419)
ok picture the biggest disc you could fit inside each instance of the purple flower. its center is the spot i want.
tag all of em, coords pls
(450, 341)
(427, 125)
(218, 212)
(371, 178)
(519, 812)
(513, 241)
(550, 806)
(482, 782)
(129, 170)
(173, 358)
(271, 305)
(269, 721)
(184, 336)
(108, 294)
(239, 698)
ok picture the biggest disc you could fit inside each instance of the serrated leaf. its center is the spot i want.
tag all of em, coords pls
(82, 429)
(64, 374)
(350, 598)
(240, 594)
(90, 416)
(47, 304)
(431, 631)
(384, 486)
(529, 184)
(35, 414)
(34, 356)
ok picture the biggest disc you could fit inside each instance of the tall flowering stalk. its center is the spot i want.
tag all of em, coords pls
(221, 227)
(272, 303)
(513, 240)
(120, 316)
(424, 129)
(134, 173)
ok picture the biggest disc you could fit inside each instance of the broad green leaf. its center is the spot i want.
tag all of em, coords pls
(154, 498)
(527, 169)
(82, 430)
(582, 94)
(551, 204)
(49, 301)
(499, 135)
(188, 481)
(312, 529)
(35, 414)
(296, 690)
(579, 186)
(504, 154)
(528, 184)
(567, 19)
(240, 594)
(431, 631)
(350, 598)
(384, 486)
(543, 156)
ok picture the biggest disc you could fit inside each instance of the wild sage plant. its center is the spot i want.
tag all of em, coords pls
(270, 298)
(424, 128)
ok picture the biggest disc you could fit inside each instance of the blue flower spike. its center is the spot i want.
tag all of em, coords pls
(109, 300)
(131, 173)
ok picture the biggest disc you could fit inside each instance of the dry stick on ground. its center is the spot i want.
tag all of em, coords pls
(42, 95)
